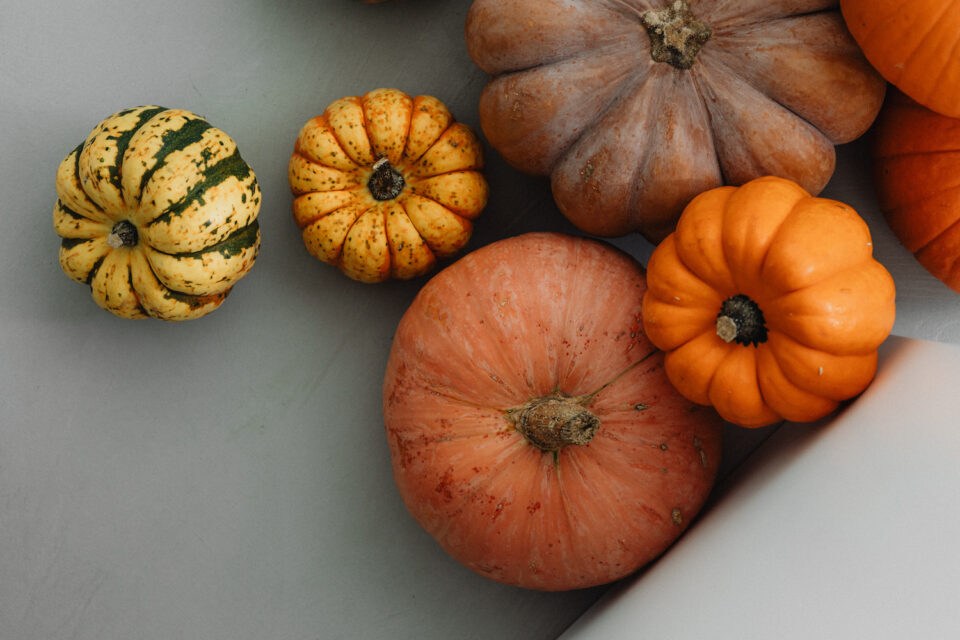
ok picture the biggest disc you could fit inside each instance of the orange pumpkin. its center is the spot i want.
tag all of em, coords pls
(917, 178)
(768, 302)
(386, 184)
(914, 45)
(532, 430)
(632, 107)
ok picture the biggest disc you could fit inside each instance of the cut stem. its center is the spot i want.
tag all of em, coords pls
(123, 234)
(676, 37)
(386, 183)
(740, 320)
(555, 421)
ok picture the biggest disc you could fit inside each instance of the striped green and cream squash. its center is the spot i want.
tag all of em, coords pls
(157, 213)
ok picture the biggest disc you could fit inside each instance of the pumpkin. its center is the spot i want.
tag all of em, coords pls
(913, 44)
(916, 166)
(531, 428)
(768, 303)
(386, 184)
(633, 107)
(157, 212)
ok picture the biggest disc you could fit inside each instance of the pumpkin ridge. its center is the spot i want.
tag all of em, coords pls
(956, 257)
(954, 52)
(716, 57)
(133, 291)
(409, 162)
(79, 183)
(95, 268)
(190, 132)
(734, 24)
(919, 49)
(123, 142)
(233, 166)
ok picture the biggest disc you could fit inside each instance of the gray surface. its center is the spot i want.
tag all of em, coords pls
(228, 477)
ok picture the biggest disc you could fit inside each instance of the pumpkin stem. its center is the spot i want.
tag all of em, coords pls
(123, 234)
(675, 35)
(741, 320)
(386, 183)
(554, 421)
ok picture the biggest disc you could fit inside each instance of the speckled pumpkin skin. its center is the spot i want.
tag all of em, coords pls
(187, 201)
(342, 221)
(628, 141)
(520, 319)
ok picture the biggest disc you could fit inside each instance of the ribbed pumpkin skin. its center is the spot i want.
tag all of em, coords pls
(914, 45)
(628, 141)
(183, 188)
(917, 179)
(808, 265)
(519, 319)
(342, 221)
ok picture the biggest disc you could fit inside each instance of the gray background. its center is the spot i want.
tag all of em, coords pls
(228, 477)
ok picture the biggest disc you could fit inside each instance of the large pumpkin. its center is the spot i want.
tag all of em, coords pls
(917, 178)
(632, 107)
(914, 45)
(158, 214)
(532, 429)
(768, 302)
(386, 184)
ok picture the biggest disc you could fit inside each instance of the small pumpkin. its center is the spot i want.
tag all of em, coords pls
(386, 184)
(531, 427)
(768, 302)
(914, 44)
(157, 212)
(917, 179)
(632, 107)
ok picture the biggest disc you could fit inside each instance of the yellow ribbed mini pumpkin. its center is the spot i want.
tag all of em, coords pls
(386, 184)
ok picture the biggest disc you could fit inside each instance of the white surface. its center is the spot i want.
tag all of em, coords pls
(846, 528)
(229, 478)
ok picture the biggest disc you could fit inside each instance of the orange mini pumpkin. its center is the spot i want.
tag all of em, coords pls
(386, 184)
(532, 429)
(917, 179)
(768, 302)
(633, 107)
(913, 44)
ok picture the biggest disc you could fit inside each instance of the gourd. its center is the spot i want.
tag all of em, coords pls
(913, 43)
(632, 107)
(386, 185)
(531, 427)
(917, 180)
(768, 303)
(157, 212)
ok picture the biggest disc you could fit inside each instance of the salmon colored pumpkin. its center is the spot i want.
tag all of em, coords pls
(917, 178)
(633, 107)
(386, 184)
(532, 429)
(768, 302)
(914, 44)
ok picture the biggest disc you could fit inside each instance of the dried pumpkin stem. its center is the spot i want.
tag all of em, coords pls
(386, 183)
(123, 234)
(555, 421)
(740, 320)
(675, 35)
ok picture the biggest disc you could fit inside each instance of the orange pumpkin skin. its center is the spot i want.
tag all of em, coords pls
(913, 44)
(628, 140)
(806, 263)
(542, 316)
(916, 165)
(386, 184)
